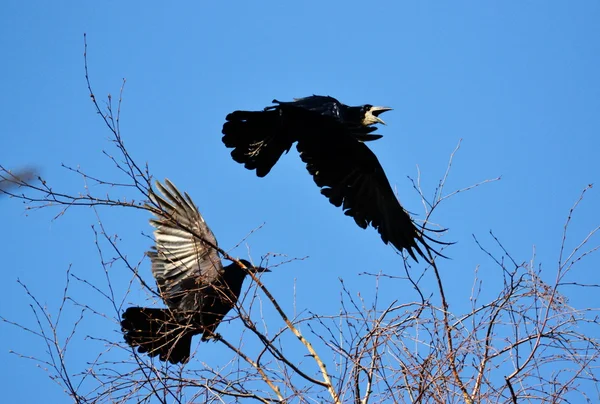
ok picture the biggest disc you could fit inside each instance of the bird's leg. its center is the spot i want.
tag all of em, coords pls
(209, 335)
(214, 336)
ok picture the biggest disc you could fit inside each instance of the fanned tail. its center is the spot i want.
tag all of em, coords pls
(156, 332)
(257, 138)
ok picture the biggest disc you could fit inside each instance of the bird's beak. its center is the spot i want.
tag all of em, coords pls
(261, 269)
(379, 110)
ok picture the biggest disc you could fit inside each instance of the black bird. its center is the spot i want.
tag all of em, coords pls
(10, 179)
(330, 138)
(191, 280)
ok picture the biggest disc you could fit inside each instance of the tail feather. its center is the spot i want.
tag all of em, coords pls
(257, 139)
(157, 333)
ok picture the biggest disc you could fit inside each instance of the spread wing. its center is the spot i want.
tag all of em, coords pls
(351, 177)
(180, 260)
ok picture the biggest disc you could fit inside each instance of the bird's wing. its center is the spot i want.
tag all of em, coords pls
(351, 177)
(180, 257)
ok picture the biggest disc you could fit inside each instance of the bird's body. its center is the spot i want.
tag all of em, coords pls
(259, 138)
(358, 120)
(330, 138)
(191, 279)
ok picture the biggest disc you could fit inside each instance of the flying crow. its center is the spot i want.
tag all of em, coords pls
(191, 280)
(330, 138)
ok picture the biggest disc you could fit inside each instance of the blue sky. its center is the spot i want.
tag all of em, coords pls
(516, 81)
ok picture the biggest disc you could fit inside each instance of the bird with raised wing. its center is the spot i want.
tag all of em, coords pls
(197, 289)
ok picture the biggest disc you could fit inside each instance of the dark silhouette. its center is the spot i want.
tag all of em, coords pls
(191, 279)
(10, 180)
(330, 138)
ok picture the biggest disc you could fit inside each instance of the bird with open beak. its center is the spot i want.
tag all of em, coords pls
(371, 115)
(331, 139)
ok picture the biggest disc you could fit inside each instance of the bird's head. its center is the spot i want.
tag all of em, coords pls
(371, 114)
(252, 268)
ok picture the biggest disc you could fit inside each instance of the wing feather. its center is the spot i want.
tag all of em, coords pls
(180, 258)
(351, 176)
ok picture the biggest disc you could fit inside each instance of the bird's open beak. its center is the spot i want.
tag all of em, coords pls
(379, 110)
